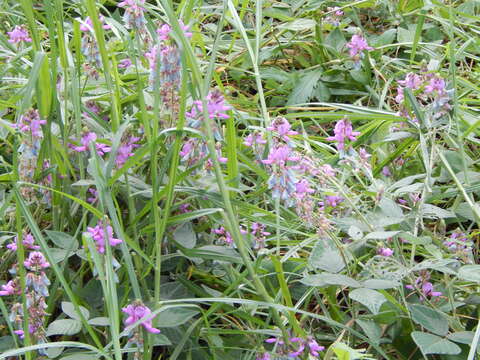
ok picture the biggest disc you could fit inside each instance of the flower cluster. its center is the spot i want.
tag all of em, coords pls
(133, 16)
(19, 34)
(30, 126)
(357, 45)
(89, 46)
(137, 311)
(258, 233)
(125, 150)
(424, 286)
(459, 244)
(295, 349)
(225, 236)
(98, 234)
(87, 138)
(334, 15)
(194, 150)
(36, 291)
(343, 134)
(430, 91)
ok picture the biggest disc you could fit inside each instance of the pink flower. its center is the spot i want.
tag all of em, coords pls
(357, 45)
(400, 96)
(87, 138)
(125, 150)
(253, 139)
(31, 123)
(435, 84)
(385, 252)
(98, 235)
(303, 188)
(36, 261)
(412, 81)
(137, 311)
(88, 24)
(134, 13)
(94, 195)
(27, 241)
(19, 34)
(225, 235)
(280, 156)
(283, 128)
(125, 63)
(164, 32)
(10, 288)
(343, 131)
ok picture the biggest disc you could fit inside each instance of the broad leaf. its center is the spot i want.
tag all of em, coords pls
(371, 299)
(430, 319)
(432, 344)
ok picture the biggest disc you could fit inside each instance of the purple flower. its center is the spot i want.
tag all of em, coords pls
(335, 16)
(423, 285)
(253, 139)
(435, 84)
(333, 200)
(88, 24)
(98, 235)
(343, 131)
(303, 188)
(134, 13)
(383, 251)
(94, 195)
(282, 127)
(412, 81)
(30, 123)
(36, 261)
(87, 138)
(216, 107)
(19, 34)
(28, 242)
(313, 346)
(137, 311)
(125, 63)
(357, 45)
(263, 356)
(184, 208)
(225, 235)
(280, 156)
(125, 150)
(10, 288)
(386, 171)
(164, 32)
(328, 170)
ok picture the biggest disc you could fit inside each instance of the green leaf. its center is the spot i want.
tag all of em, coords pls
(69, 309)
(6, 343)
(381, 235)
(326, 279)
(173, 317)
(299, 25)
(326, 256)
(470, 273)
(160, 340)
(99, 321)
(406, 6)
(430, 319)
(185, 235)
(78, 356)
(371, 329)
(380, 284)
(304, 88)
(432, 344)
(371, 299)
(64, 327)
(63, 240)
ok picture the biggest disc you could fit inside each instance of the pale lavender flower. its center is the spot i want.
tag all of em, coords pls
(87, 25)
(412, 81)
(134, 16)
(28, 242)
(11, 288)
(137, 311)
(423, 285)
(386, 171)
(36, 261)
(98, 235)
(436, 84)
(263, 356)
(357, 46)
(400, 95)
(343, 131)
(385, 251)
(87, 138)
(216, 107)
(282, 128)
(253, 139)
(30, 123)
(125, 63)
(19, 34)
(93, 197)
(225, 236)
(335, 16)
(125, 150)
(303, 189)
